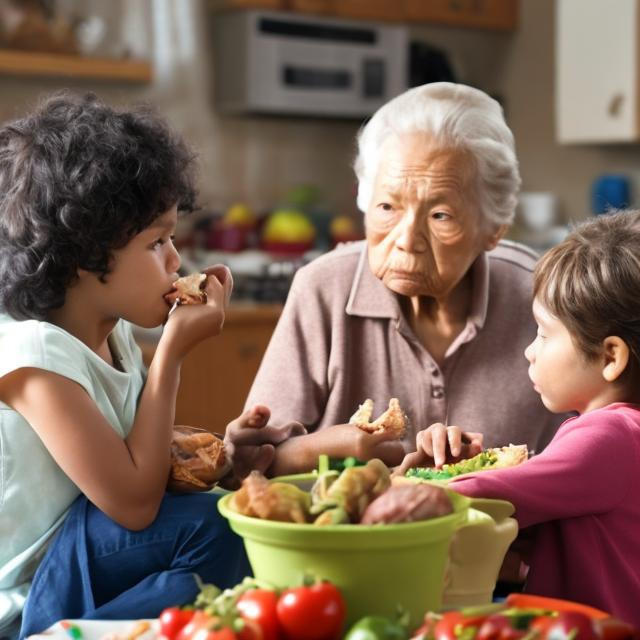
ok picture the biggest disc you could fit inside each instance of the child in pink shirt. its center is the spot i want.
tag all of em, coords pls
(578, 498)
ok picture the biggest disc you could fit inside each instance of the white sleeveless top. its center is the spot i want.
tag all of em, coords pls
(35, 494)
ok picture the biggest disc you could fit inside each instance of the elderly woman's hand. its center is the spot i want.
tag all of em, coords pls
(299, 455)
(250, 442)
(349, 440)
(439, 444)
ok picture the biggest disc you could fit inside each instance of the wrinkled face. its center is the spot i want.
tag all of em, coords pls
(561, 374)
(424, 228)
(141, 273)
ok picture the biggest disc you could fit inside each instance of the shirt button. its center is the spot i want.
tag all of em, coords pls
(437, 392)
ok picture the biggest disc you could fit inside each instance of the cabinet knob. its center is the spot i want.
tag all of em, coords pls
(615, 104)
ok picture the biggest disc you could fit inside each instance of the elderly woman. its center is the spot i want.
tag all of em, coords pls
(434, 308)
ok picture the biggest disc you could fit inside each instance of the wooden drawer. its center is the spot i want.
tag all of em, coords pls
(216, 376)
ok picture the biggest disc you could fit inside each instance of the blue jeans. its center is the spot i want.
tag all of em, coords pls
(96, 569)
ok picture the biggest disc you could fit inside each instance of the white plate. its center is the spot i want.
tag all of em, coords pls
(98, 629)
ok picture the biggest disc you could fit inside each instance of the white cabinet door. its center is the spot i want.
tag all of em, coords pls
(597, 71)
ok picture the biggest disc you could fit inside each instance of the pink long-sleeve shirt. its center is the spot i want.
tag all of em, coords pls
(581, 493)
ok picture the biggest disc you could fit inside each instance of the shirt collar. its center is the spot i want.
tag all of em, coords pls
(370, 298)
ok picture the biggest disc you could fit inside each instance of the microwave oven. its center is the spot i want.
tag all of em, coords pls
(269, 62)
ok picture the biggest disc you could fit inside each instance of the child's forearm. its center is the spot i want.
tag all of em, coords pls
(150, 438)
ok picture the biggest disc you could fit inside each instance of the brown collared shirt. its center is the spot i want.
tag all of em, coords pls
(342, 337)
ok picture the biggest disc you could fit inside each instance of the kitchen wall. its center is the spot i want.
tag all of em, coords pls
(258, 159)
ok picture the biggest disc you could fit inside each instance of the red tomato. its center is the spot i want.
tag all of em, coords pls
(259, 605)
(541, 625)
(615, 629)
(315, 612)
(573, 625)
(495, 627)
(172, 620)
(199, 621)
(452, 622)
(225, 633)
(251, 631)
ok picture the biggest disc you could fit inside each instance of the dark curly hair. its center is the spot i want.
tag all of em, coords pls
(79, 179)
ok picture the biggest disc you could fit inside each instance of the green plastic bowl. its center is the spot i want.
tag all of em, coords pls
(377, 567)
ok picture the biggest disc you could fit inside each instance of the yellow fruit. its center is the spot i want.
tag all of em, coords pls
(342, 226)
(239, 214)
(288, 225)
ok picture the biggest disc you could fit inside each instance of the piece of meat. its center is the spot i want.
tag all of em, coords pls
(261, 498)
(408, 503)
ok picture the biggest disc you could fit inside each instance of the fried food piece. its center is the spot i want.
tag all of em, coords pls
(280, 501)
(198, 460)
(189, 289)
(363, 413)
(345, 497)
(393, 420)
(408, 503)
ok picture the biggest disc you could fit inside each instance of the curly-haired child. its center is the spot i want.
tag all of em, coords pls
(89, 202)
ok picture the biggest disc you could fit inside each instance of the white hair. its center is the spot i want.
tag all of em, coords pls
(456, 116)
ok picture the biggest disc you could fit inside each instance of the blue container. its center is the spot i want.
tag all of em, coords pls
(610, 192)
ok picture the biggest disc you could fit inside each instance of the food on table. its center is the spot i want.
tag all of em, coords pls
(393, 420)
(314, 611)
(379, 628)
(198, 459)
(140, 630)
(254, 610)
(260, 498)
(357, 495)
(408, 503)
(526, 617)
(342, 498)
(188, 290)
(495, 458)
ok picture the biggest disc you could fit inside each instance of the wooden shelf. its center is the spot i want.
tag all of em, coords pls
(27, 63)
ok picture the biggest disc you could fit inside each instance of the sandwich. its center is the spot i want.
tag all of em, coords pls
(495, 458)
(189, 290)
(393, 420)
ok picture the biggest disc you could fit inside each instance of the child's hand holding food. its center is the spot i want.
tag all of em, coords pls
(250, 442)
(198, 306)
(439, 444)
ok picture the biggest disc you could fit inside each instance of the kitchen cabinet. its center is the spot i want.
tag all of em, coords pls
(37, 64)
(217, 374)
(597, 80)
(501, 15)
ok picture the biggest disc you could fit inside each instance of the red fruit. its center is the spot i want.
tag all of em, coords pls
(259, 606)
(172, 620)
(571, 625)
(314, 612)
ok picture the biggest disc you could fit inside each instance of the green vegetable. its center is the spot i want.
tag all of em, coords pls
(483, 460)
(377, 628)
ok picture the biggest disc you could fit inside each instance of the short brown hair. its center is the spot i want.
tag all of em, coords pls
(591, 283)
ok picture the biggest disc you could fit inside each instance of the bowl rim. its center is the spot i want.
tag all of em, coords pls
(459, 515)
